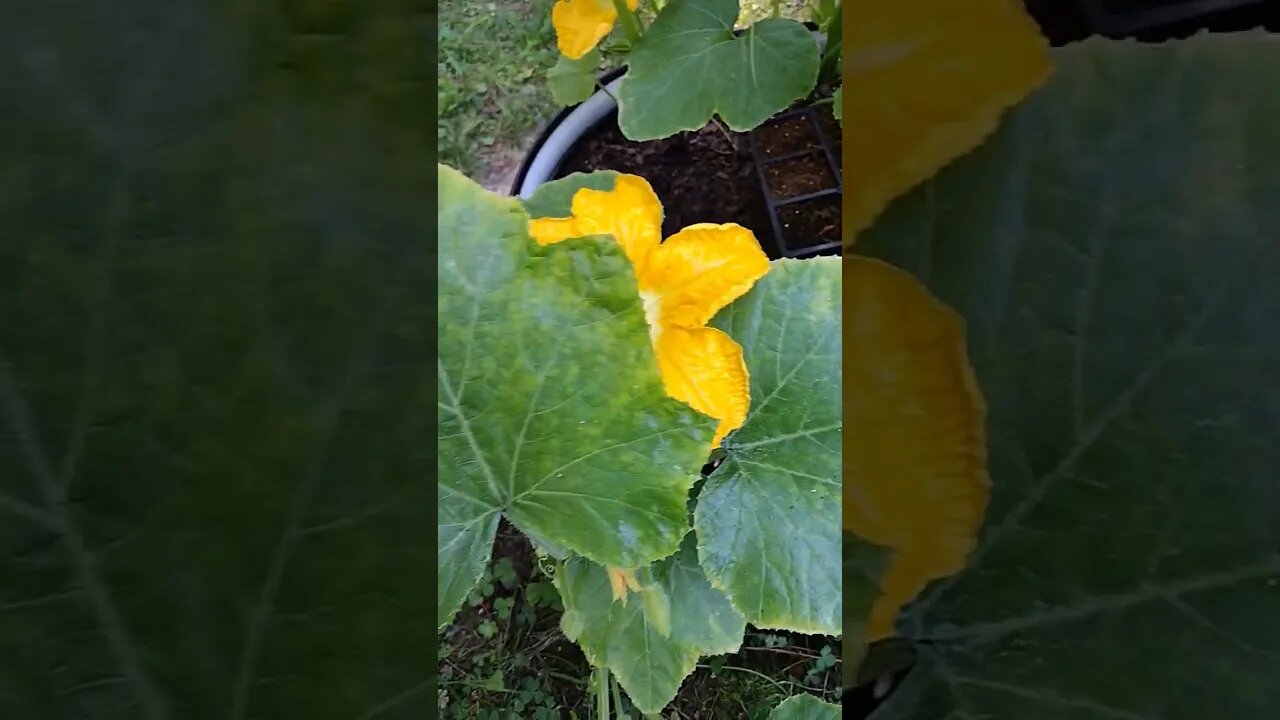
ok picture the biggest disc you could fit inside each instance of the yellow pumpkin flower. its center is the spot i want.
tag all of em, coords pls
(683, 283)
(581, 24)
(916, 472)
(927, 82)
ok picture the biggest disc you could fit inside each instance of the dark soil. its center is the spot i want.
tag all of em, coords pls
(711, 175)
(798, 176)
(810, 223)
(786, 136)
(700, 176)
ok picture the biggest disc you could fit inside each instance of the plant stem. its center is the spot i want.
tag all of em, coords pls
(830, 65)
(727, 135)
(602, 693)
(606, 91)
(617, 696)
(630, 23)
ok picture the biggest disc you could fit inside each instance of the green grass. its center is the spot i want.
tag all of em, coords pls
(491, 92)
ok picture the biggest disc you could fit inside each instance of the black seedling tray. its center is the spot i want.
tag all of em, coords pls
(792, 214)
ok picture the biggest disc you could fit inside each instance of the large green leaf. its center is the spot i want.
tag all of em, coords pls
(214, 337)
(651, 653)
(768, 519)
(805, 707)
(690, 66)
(1114, 251)
(551, 409)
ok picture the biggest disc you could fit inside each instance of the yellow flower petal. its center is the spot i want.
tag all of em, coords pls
(703, 367)
(701, 269)
(581, 24)
(630, 212)
(547, 231)
(927, 83)
(916, 462)
(619, 580)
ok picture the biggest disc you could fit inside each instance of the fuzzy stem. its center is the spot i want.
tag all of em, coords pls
(602, 693)
(617, 696)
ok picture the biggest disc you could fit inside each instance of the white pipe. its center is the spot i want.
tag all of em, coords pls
(575, 125)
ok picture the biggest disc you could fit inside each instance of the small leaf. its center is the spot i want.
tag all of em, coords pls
(502, 607)
(573, 81)
(505, 573)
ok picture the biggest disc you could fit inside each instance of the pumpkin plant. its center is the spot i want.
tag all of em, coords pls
(686, 65)
(1061, 431)
(588, 371)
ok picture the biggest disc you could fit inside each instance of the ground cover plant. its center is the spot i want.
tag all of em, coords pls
(489, 100)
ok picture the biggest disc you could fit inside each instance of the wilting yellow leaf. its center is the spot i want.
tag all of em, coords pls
(581, 24)
(927, 82)
(915, 459)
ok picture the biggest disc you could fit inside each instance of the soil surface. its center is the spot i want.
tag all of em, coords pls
(798, 176)
(785, 136)
(710, 175)
(706, 175)
(811, 223)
